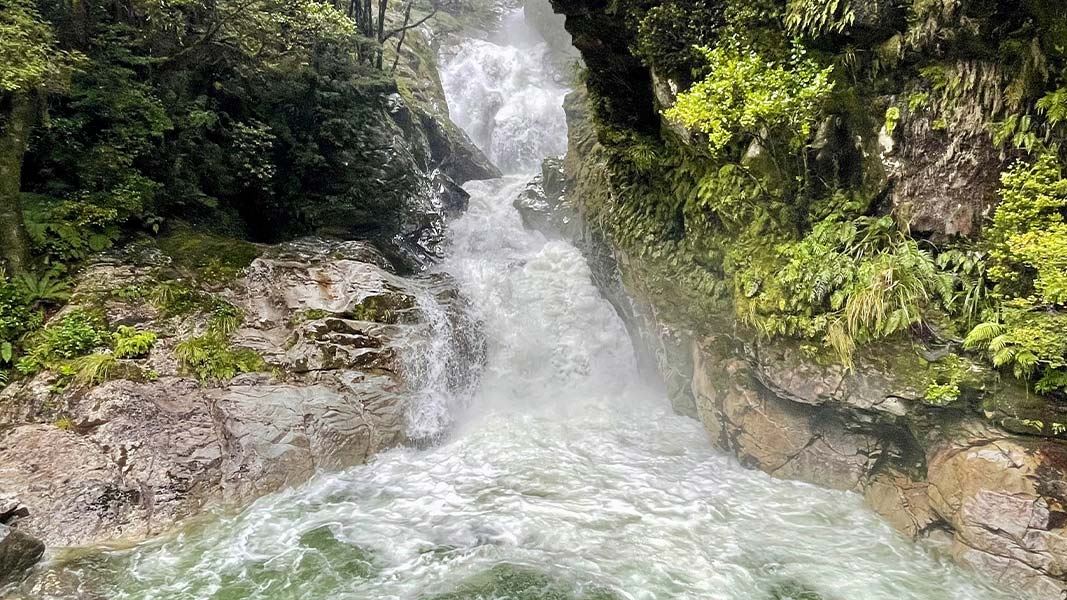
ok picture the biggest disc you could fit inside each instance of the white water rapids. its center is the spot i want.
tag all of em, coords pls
(564, 466)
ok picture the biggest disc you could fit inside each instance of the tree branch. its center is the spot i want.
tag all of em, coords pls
(406, 27)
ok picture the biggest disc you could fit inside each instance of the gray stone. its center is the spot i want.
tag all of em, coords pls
(18, 552)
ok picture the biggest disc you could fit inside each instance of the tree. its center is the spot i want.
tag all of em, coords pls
(31, 63)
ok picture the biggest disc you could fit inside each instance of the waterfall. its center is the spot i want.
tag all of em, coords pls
(503, 92)
(562, 476)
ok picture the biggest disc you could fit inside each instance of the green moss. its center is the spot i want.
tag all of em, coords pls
(388, 307)
(213, 258)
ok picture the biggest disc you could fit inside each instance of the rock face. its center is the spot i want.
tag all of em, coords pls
(929, 466)
(338, 332)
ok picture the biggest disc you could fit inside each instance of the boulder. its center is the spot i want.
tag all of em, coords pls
(18, 552)
(345, 337)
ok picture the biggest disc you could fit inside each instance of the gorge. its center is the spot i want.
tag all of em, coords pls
(517, 387)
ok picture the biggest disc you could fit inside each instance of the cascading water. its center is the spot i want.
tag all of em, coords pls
(562, 467)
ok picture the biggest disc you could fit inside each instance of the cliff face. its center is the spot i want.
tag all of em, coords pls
(936, 437)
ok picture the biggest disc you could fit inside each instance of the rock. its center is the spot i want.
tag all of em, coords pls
(902, 501)
(343, 333)
(944, 184)
(1004, 498)
(786, 439)
(274, 436)
(18, 552)
(543, 205)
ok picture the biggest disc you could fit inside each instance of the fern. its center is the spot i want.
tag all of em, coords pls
(819, 17)
(132, 343)
(42, 290)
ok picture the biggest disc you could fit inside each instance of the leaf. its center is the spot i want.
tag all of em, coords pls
(6, 351)
(98, 242)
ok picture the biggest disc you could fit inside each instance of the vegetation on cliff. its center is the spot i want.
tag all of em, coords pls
(259, 120)
(777, 193)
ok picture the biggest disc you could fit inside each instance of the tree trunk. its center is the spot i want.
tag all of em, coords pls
(17, 114)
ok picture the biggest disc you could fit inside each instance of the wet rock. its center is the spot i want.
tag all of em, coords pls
(339, 330)
(18, 552)
(274, 436)
(1004, 499)
(544, 207)
(902, 501)
(786, 439)
(943, 183)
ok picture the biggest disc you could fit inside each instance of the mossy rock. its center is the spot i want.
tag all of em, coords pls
(214, 258)
(1021, 411)
(513, 582)
(388, 307)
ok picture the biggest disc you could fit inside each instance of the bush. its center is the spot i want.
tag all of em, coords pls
(74, 335)
(748, 95)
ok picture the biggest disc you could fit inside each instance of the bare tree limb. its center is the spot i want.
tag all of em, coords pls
(406, 27)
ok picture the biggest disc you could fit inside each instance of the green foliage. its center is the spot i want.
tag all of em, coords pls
(1027, 235)
(210, 357)
(75, 334)
(1028, 340)
(669, 36)
(44, 289)
(892, 118)
(819, 17)
(17, 317)
(746, 96)
(846, 283)
(30, 56)
(259, 118)
(937, 394)
(131, 342)
(94, 368)
(176, 297)
(969, 269)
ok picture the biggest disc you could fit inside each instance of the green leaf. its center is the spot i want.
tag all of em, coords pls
(98, 242)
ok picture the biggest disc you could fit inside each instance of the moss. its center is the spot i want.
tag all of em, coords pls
(214, 258)
(388, 307)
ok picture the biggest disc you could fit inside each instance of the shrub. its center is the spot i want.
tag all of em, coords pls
(746, 94)
(74, 335)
